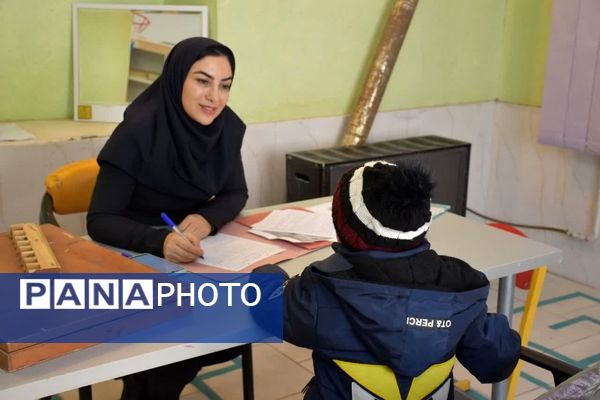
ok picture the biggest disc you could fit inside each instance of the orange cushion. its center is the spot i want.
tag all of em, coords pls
(71, 186)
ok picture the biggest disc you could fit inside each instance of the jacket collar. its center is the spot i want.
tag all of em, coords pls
(381, 255)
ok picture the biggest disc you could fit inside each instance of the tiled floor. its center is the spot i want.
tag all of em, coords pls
(567, 326)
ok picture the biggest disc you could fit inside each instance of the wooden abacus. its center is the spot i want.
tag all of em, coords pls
(33, 249)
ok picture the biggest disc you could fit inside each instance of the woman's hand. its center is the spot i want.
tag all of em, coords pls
(196, 225)
(181, 249)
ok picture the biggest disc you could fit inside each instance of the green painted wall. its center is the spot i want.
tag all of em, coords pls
(315, 56)
(524, 50)
(36, 72)
(36, 67)
(306, 58)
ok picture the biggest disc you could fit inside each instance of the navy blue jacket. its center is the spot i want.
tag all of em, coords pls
(390, 325)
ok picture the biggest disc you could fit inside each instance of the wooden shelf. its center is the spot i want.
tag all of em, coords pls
(146, 77)
(152, 47)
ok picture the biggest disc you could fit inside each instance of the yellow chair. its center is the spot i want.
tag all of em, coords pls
(68, 190)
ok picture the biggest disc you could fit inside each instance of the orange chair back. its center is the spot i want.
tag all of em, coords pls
(71, 186)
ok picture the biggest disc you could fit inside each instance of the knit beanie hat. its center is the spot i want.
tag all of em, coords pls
(382, 206)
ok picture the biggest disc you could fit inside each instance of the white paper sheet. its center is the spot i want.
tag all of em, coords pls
(10, 132)
(319, 225)
(288, 237)
(234, 253)
(324, 208)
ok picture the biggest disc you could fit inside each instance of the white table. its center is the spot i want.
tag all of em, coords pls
(496, 253)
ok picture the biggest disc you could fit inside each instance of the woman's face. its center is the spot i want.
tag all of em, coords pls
(206, 88)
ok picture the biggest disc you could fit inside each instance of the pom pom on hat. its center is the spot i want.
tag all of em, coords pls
(383, 206)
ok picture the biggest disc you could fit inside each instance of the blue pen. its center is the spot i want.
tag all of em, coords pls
(174, 227)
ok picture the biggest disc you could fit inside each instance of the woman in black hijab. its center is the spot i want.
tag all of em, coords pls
(177, 151)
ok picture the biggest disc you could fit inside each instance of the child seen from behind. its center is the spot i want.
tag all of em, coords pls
(385, 315)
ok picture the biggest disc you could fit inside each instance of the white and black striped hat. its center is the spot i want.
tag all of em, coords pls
(383, 206)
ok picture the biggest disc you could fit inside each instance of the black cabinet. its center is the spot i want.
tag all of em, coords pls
(314, 173)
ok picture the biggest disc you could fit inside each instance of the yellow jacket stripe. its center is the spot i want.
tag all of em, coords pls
(381, 380)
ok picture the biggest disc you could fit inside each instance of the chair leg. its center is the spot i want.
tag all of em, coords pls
(247, 374)
(85, 393)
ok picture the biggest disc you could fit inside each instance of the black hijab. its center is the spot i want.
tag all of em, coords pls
(162, 147)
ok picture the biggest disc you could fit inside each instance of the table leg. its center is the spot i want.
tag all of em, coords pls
(506, 293)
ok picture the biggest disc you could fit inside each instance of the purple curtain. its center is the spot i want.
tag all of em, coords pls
(571, 107)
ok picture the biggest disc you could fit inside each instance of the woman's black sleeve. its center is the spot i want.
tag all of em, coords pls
(106, 221)
(228, 203)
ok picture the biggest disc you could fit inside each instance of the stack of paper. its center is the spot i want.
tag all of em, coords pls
(296, 226)
(307, 226)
